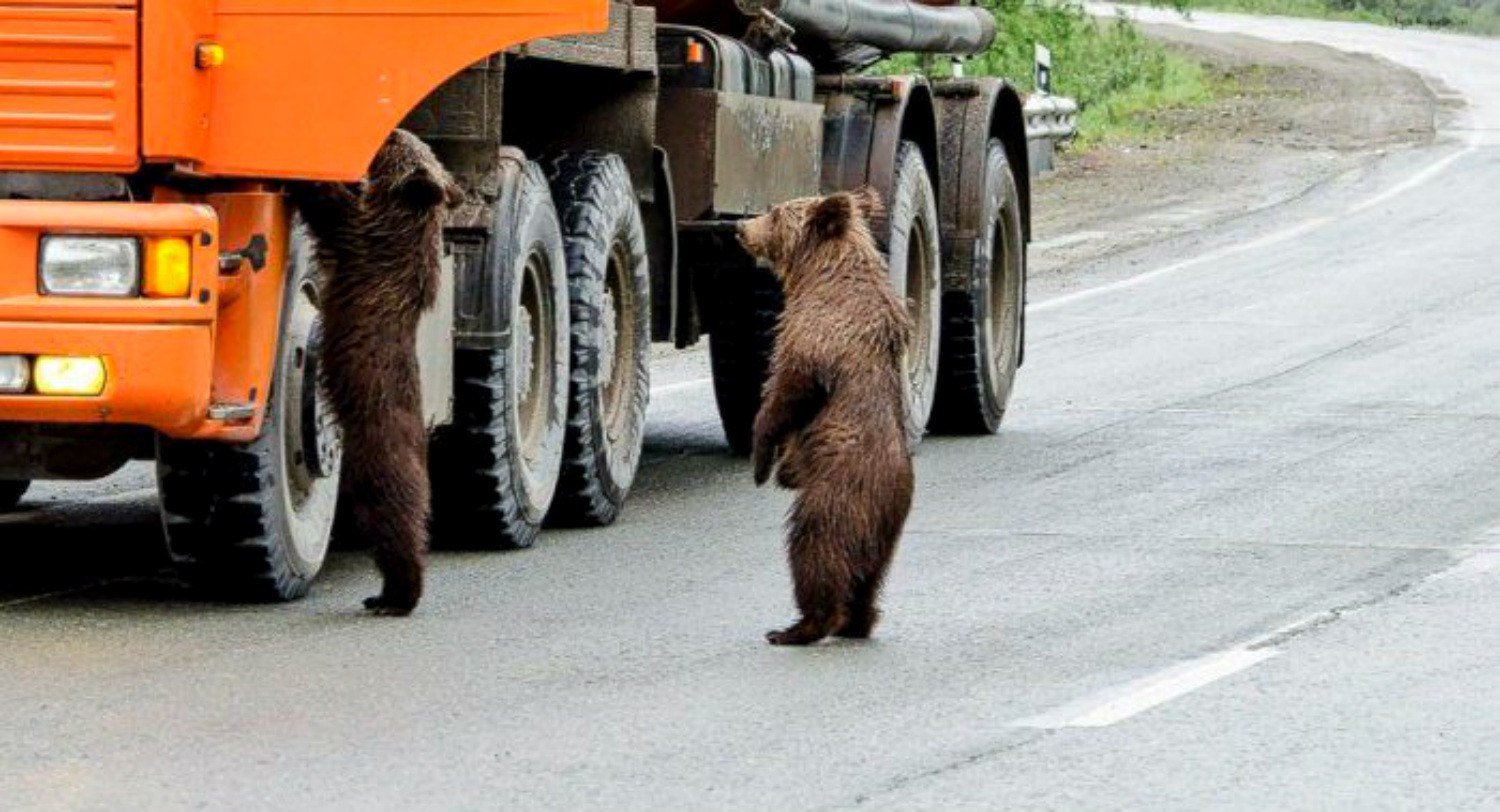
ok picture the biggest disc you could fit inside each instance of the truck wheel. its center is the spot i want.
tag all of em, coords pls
(982, 325)
(916, 273)
(252, 522)
(11, 491)
(609, 290)
(495, 468)
(748, 302)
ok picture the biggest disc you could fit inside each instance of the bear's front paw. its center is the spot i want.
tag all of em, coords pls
(798, 635)
(384, 606)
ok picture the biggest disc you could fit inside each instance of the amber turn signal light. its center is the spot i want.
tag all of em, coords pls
(169, 269)
(209, 55)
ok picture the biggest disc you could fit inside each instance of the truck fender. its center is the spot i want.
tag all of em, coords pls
(868, 118)
(974, 111)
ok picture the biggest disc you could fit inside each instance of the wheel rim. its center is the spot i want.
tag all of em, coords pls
(535, 356)
(919, 301)
(618, 346)
(310, 485)
(1004, 303)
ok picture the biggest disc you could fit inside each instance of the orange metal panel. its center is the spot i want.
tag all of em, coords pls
(175, 94)
(159, 352)
(68, 96)
(75, 3)
(157, 375)
(23, 222)
(250, 304)
(310, 90)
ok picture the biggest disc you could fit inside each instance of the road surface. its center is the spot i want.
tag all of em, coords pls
(1238, 546)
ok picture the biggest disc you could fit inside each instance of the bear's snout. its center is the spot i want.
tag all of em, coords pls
(745, 236)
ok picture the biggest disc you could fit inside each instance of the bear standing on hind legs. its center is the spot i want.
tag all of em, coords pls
(832, 418)
(379, 248)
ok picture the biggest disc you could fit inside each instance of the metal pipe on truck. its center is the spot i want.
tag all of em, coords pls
(887, 25)
(892, 25)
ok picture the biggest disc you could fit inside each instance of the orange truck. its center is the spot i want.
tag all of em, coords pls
(158, 299)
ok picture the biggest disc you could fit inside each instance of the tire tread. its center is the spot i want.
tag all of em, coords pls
(595, 202)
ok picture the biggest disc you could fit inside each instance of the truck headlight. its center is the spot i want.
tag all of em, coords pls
(90, 266)
(15, 374)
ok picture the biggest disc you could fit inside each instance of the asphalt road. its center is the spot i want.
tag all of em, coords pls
(1238, 546)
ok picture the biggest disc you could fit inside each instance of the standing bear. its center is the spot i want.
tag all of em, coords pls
(379, 249)
(832, 417)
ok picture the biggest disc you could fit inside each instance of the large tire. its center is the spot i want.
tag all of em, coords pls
(252, 522)
(495, 469)
(11, 491)
(609, 291)
(748, 302)
(982, 324)
(916, 273)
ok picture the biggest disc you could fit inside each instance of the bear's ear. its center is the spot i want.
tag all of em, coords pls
(868, 202)
(424, 189)
(831, 216)
(327, 201)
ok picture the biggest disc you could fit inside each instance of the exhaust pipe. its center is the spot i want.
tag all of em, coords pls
(890, 25)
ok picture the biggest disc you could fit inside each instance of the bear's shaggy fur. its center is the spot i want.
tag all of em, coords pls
(831, 421)
(379, 245)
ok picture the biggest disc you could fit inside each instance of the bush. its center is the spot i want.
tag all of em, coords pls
(1114, 72)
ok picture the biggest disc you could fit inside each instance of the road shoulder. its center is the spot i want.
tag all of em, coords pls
(1291, 117)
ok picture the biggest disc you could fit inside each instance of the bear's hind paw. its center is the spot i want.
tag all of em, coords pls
(383, 606)
(859, 626)
(798, 635)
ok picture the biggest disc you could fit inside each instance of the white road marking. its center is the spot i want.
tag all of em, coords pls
(679, 386)
(1124, 701)
(1417, 179)
(1412, 181)
(1067, 240)
(1216, 254)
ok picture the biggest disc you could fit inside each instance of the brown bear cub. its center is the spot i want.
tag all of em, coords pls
(379, 248)
(832, 418)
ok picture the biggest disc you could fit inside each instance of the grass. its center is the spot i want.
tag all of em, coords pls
(1117, 75)
(1472, 16)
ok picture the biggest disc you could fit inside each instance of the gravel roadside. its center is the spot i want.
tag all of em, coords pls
(1296, 115)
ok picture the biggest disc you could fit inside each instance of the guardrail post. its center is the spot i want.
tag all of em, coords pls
(1049, 119)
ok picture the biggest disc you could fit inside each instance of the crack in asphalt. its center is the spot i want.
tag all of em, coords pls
(901, 782)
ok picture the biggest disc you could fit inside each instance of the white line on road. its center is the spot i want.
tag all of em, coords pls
(1124, 701)
(1417, 179)
(1067, 240)
(1219, 253)
(679, 386)
(1412, 181)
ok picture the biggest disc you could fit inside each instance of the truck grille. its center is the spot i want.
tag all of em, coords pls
(68, 89)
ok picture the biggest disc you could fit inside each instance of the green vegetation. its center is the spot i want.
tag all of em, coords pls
(1475, 16)
(1117, 75)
